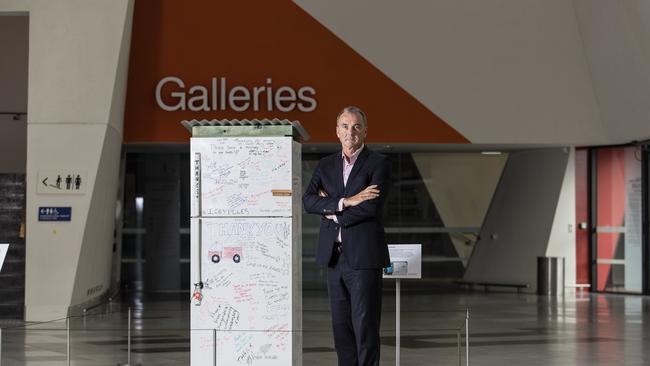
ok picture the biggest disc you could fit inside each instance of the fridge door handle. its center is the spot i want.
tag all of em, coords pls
(197, 185)
(197, 293)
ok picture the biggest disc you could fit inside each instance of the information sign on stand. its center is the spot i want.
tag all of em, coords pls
(405, 262)
(3, 252)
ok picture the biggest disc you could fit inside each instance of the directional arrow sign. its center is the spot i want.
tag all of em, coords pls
(45, 181)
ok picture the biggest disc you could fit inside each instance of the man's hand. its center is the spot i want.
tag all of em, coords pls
(322, 193)
(369, 193)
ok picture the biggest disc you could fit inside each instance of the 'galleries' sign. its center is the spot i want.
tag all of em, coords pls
(173, 95)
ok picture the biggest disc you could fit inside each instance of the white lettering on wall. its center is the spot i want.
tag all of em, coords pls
(217, 95)
(179, 84)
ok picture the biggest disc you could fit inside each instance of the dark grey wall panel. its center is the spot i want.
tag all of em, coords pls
(162, 221)
(518, 223)
(14, 48)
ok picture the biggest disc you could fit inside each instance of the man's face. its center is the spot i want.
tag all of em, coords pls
(351, 131)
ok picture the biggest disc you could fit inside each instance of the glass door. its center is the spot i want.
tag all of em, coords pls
(618, 216)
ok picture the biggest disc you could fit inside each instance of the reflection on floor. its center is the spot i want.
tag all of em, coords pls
(505, 328)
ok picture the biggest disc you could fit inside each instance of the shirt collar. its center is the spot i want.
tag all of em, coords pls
(354, 156)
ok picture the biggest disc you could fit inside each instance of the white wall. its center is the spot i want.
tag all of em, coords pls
(461, 186)
(520, 219)
(569, 72)
(616, 38)
(562, 241)
(78, 60)
(499, 71)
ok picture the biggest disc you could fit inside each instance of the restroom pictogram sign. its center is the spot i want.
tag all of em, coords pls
(54, 213)
(64, 181)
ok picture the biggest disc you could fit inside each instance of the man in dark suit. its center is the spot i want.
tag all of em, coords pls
(348, 190)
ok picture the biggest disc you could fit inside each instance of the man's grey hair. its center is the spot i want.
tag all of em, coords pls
(354, 110)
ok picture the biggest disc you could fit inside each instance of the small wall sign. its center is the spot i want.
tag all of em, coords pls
(61, 182)
(54, 213)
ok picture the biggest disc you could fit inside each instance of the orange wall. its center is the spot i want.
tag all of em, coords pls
(248, 42)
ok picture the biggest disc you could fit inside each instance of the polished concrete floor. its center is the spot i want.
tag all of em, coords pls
(505, 329)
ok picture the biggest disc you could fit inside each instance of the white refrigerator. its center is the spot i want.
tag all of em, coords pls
(246, 251)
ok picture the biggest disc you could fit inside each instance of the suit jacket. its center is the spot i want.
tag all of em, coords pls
(362, 231)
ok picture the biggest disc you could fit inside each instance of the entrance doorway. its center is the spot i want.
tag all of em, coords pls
(617, 219)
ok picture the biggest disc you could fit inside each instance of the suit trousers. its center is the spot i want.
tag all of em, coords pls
(355, 304)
